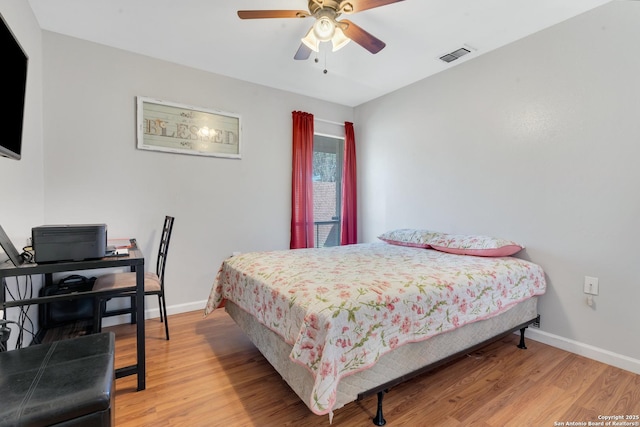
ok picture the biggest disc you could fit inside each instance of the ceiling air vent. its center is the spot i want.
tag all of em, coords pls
(450, 57)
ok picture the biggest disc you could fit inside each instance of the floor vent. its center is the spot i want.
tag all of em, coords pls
(450, 57)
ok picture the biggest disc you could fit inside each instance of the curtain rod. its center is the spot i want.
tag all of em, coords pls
(328, 121)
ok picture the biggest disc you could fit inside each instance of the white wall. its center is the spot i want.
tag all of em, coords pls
(538, 142)
(21, 181)
(95, 174)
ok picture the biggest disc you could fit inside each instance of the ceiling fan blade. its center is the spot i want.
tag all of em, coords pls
(360, 36)
(259, 14)
(353, 6)
(303, 52)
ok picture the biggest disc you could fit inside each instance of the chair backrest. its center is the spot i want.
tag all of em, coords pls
(164, 248)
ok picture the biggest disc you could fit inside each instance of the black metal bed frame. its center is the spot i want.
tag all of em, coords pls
(384, 388)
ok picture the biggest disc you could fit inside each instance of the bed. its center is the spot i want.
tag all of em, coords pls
(345, 322)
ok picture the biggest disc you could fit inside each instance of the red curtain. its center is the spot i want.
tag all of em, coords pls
(302, 182)
(349, 214)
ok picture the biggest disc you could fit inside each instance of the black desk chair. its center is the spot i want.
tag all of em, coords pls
(153, 284)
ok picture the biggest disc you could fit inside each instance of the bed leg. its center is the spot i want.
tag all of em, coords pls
(522, 345)
(379, 419)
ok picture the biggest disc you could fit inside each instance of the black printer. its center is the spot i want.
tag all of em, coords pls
(71, 242)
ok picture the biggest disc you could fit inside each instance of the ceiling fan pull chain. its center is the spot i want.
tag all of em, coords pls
(325, 63)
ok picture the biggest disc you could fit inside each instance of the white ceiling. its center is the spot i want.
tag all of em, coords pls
(208, 35)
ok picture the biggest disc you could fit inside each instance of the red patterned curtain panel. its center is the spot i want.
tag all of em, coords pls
(349, 214)
(302, 182)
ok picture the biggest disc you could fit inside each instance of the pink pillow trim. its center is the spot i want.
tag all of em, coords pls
(495, 252)
(411, 245)
(410, 237)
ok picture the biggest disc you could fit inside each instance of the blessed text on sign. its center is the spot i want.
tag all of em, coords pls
(164, 126)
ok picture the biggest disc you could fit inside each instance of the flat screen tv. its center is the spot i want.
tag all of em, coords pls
(13, 78)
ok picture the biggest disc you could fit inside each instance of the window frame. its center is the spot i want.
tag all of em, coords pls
(338, 142)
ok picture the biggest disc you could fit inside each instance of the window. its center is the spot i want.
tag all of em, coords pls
(327, 189)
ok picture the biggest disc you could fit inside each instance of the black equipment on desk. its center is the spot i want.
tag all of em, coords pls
(62, 312)
(69, 242)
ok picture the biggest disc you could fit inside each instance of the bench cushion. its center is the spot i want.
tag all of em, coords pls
(68, 382)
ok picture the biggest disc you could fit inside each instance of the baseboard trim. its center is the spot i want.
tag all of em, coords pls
(586, 350)
(152, 313)
(183, 308)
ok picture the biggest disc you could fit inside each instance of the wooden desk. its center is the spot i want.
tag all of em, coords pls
(134, 260)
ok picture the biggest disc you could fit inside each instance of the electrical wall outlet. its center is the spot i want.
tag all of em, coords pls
(591, 285)
(536, 323)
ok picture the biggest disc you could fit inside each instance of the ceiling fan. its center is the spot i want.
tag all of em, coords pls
(327, 27)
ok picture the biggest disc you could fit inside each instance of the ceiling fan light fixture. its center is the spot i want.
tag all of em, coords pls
(339, 40)
(324, 28)
(311, 41)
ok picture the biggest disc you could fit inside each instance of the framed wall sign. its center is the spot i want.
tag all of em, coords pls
(177, 128)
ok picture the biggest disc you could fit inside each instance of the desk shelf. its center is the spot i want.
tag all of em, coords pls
(134, 260)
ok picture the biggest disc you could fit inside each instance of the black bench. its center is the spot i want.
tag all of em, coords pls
(64, 383)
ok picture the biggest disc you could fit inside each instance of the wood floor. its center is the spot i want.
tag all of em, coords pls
(209, 374)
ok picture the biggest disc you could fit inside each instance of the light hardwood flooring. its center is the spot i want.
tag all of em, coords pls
(209, 374)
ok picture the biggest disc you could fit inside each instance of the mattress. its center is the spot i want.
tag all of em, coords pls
(402, 361)
(342, 309)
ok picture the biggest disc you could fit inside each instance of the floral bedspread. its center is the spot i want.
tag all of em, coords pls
(342, 308)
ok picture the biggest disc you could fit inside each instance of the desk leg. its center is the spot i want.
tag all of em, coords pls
(140, 338)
